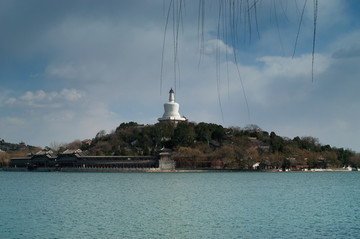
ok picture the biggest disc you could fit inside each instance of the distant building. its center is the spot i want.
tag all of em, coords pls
(87, 141)
(171, 108)
(78, 161)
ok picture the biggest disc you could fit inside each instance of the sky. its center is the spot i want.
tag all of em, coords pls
(69, 69)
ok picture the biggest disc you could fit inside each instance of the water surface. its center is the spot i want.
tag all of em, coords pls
(180, 205)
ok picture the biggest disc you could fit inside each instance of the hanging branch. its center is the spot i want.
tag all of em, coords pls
(314, 37)
(240, 13)
(298, 32)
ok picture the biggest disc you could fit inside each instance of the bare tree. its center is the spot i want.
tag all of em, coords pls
(76, 144)
(100, 134)
(55, 146)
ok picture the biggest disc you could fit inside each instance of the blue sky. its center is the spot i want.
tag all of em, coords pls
(69, 69)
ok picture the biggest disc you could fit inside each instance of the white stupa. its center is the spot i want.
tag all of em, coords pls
(171, 110)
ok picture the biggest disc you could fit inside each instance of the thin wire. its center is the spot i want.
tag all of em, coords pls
(314, 38)
(298, 32)
(163, 48)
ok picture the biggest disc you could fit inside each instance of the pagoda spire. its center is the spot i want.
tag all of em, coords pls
(171, 95)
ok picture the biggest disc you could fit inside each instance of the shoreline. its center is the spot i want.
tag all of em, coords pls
(157, 170)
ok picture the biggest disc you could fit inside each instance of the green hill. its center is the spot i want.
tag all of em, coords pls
(204, 144)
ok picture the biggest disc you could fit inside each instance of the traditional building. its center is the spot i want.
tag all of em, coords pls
(171, 108)
(77, 161)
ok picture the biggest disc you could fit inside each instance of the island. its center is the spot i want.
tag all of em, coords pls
(176, 144)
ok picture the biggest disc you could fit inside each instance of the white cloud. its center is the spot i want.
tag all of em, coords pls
(274, 81)
(293, 68)
(30, 96)
(50, 100)
(71, 94)
(211, 47)
(83, 70)
(74, 117)
(10, 101)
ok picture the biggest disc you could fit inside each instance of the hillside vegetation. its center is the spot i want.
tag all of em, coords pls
(11, 150)
(204, 145)
(207, 145)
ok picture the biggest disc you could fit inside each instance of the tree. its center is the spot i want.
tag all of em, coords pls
(344, 156)
(310, 143)
(163, 134)
(252, 127)
(4, 159)
(219, 133)
(332, 159)
(76, 144)
(131, 124)
(228, 155)
(313, 159)
(276, 142)
(203, 132)
(100, 134)
(251, 156)
(188, 157)
(297, 141)
(276, 159)
(55, 146)
(102, 148)
(206, 132)
(355, 160)
(184, 134)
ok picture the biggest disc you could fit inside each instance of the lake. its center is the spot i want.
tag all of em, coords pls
(180, 205)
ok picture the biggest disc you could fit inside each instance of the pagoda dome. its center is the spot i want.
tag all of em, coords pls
(171, 110)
